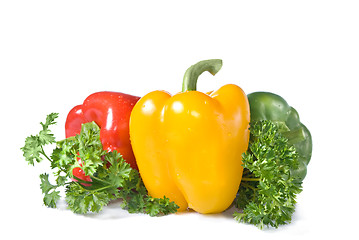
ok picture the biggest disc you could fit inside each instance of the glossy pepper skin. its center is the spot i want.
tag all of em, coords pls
(188, 146)
(111, 112)
(269, 106)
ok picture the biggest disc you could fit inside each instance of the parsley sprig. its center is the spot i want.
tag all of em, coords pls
(267, 192)
(111, 177)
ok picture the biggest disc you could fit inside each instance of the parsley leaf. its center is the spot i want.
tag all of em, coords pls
(89, 147)
(50, 198)
(136, 199)
(45, 185)
(268, 191)
(81, 200)
(155, 206)
(33, 148)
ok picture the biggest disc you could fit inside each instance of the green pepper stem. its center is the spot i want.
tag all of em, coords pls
(191, 75)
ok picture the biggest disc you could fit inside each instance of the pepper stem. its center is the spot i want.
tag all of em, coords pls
(191, 75)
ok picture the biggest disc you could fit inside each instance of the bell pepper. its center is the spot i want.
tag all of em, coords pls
(188, 146)
(269, 106)
(111, 112)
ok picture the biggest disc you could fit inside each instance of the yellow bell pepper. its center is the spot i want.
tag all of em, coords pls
(188, 146)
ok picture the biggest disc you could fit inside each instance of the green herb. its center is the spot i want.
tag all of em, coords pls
(108, 171)
(33, 148)
(267, 192)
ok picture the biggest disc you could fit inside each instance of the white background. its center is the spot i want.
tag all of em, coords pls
(53, 54)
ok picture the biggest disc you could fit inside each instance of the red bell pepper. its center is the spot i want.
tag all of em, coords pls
(111, 112)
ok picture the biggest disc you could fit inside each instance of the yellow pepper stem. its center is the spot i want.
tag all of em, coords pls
(191, 75)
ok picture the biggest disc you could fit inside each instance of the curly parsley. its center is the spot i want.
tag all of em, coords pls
(111, 177)
(267, 192)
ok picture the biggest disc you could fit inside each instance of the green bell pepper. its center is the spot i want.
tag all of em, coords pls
(269, 106)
